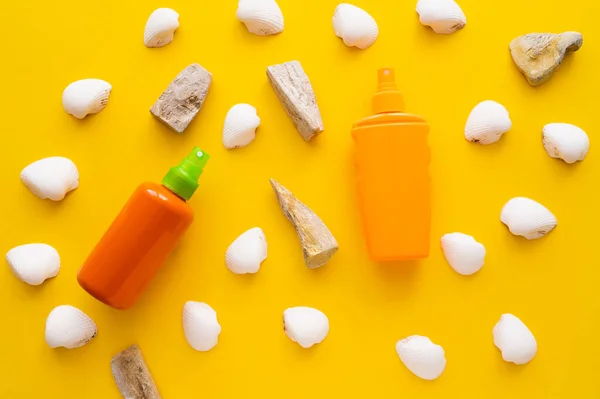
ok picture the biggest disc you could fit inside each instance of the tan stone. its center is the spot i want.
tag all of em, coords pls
(132, 375)
(537, 55)
(182, 100)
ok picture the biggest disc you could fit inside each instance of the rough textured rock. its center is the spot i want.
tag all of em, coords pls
(132, 375)
(537, 55)
(297, 97)
(182, 100)
(318, 244)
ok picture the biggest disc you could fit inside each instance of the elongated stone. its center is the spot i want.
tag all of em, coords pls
(132, 375)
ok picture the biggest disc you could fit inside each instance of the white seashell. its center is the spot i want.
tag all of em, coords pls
(528, 218)
(355, 26)
(240, 126)
(443, 16)
(565, 141)
(33, 263)
(51, 178)
(487, 122)
(421, 356)
(261, 17)
(247, 252)
(84, 97)
(69, 327)
(160, 27)
(514, 339)
(306, 326)
(463, 253)
(200, 326)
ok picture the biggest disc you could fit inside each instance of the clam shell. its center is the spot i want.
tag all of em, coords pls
(487, 122)
(85, 97)
(443, 16)
(514, 339)
(160, 27)
(247, 252)
(51, 178)
(34, 263)
(240, 126)
(306, 326)
(528, 218)
(463, 253)
(422, 357)
(261, 17)
(355, 26)
(200, 326)
(69, 327)
(565, 141)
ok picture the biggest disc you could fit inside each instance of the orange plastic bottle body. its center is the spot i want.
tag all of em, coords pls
(392, 158)
(135, 246)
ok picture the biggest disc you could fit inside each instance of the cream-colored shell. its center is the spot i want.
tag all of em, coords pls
(69, 327)
(85, 97)
(565, 141)
(51, 178)
(160, 27)
(247, 252)
(528, 218)
(443, 16)
(355, 26)
(514, 339)
(200, 326)
(261, 17)
(240, 126)
(463, 253)
(422, 357)
(306, 326)
(33, 263)
(487, 122)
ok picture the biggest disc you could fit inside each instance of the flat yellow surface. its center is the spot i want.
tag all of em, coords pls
(551, 284)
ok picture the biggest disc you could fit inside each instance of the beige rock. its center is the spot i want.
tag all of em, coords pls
(318, 244)
(132, 375)
(537, 55)
(182, 100)
(297, 97)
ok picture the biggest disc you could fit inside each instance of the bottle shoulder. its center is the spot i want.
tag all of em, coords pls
(390, 118)
(162, 196)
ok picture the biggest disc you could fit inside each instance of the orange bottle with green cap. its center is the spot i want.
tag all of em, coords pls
(392, 176)
(142, 236)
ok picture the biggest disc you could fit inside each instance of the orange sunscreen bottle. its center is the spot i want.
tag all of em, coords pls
(392, 176)
(142, 236)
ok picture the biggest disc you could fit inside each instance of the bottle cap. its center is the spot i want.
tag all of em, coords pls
(183, 179)
(387, 98)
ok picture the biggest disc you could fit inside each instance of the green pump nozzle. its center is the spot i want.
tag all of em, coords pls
(183, 179)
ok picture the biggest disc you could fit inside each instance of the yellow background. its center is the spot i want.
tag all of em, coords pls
(551, 284)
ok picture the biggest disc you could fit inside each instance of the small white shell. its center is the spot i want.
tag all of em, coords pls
(84, 97)
(487, 122)
(33, 263)
(247, 252)
(261, 17)
(443, 16)
(200, 326)
(514, 339)
(240, 126)
(463, 253)
(160, 27)
(69, 327)
(355, 26)
(306, 326)
(528, 218)
(565, 141)
(51, 178)
(422, 357)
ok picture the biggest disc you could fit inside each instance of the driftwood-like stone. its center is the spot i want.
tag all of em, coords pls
(132, 375)
(537, 55)
(297, 97)
(318, 244)
(180, 103)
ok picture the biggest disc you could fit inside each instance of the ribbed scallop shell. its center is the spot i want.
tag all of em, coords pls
(306, 326)
(69, 327)
(51, 178)
(514, 339)
(463, 253)
(200, 326)
(247, 252)
(355, 26)
(528, 218)
(34, 263)
(565, 141)
(487, 122)
(240, 126)
(443, 16)
(261, 17)
(160, 27)
(85, 97)
(422, 357)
